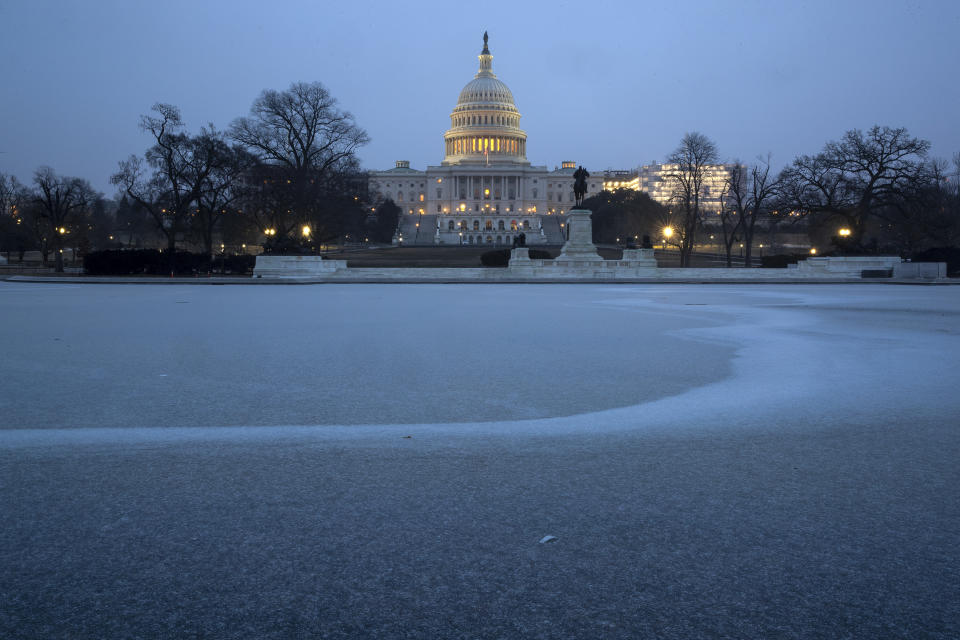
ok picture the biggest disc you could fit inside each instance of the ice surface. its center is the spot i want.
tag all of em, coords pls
(743, 461)
(127, 356)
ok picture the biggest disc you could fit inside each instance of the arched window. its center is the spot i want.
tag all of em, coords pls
(399, 196)
(488, 225)
(526, 224)
(499, 240)
(513, 225)
(450, 226)
(476, 225)
(499, 225)
(489, 239)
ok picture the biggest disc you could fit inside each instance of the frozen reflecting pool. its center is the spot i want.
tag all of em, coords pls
(129, 356)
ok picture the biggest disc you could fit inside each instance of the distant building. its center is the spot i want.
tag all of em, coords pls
(614, 179)
(485, 191)
(658, 181)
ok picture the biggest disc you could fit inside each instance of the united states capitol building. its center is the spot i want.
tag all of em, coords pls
(485, 191)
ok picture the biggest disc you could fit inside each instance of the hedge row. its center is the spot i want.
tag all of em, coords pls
(950, 255)
(123, 262)
(779, 261)
(501, 257)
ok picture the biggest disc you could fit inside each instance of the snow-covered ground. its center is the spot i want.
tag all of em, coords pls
(376, 460)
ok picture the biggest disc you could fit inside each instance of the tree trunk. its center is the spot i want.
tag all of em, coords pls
(748, 245)
(208, 242)
(58, 253)
(172, 252)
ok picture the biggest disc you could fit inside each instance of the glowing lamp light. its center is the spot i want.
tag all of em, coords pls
(844, 232)
(813, 251)
(668, 232)
(305, 230)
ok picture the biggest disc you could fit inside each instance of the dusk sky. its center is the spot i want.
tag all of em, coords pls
(606, 84)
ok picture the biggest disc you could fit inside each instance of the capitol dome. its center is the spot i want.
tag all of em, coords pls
(486, 90)
(485, 124)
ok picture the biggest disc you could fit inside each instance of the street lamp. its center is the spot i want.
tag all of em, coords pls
(667, 234)
(844, 232)
(305, 231)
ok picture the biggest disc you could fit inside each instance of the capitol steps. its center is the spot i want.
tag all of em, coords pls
(552, 230)
(418, 236)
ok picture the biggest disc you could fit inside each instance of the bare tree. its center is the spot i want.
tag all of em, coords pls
(14, 219)
(851, 181)
(179, 166)
(60, 200)
(224, 184)
(731, 220)
(691, 159)
(928, 214)
(751, 191)
(304, 140)
(12, 195)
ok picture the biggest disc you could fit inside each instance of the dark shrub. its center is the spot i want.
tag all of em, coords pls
(496, 258)
(501, 257)
(240, 264)
(124, 262)
(950, 255)
(285, 246)
(778, 262)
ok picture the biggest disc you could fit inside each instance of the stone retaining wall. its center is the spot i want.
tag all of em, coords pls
(636, 266)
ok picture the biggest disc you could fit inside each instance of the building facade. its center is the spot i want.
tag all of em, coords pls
(659, 182)
(485, 191)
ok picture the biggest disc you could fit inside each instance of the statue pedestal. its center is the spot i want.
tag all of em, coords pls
(579, 246)
(519, 254)
(638, 258)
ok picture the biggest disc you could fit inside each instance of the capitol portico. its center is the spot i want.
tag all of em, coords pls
(485, 191)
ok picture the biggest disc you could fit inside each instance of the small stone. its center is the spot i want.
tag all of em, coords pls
(546, 539)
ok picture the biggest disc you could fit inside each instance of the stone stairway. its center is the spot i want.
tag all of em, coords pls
(552, 230)
(412, 235)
